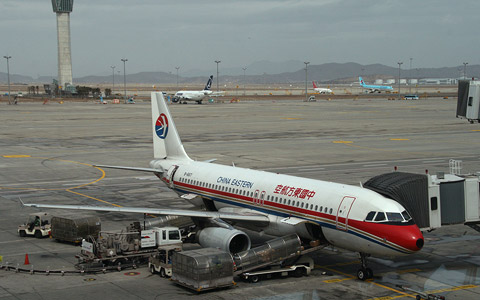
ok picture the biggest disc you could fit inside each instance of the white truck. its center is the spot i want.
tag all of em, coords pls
(37, 224)
(132, 245)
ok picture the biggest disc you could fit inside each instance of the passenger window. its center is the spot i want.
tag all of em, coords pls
(370, 216)
(301, 205)
(316, 207)
(326, 209)
(380, 217)
(331, 211)
(321, 208)
(288, 202)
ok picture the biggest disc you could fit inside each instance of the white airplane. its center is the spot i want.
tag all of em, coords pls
(321, 90)
(197, 96)
(348, 217)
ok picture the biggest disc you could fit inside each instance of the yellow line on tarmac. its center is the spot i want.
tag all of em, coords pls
(16, 156)
(399, 139)
(93, 198)
(391, 289)
(342, 142)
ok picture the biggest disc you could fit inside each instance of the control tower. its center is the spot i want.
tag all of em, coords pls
(63, 8)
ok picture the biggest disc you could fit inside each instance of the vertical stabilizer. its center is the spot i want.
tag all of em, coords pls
(166, 141)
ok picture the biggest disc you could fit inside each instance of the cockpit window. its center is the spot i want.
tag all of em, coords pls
(370, 216)
(406, 216)
(380, 217)
(394, 217)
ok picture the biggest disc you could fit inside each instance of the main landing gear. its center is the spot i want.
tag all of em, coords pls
(364, 272)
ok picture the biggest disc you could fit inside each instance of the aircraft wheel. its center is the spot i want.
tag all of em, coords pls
(254, 279)
(369, 273)
(162, 273)
(22, 233)
(362, 274)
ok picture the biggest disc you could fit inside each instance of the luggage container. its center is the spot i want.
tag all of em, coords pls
(75, 229)
(203, 269)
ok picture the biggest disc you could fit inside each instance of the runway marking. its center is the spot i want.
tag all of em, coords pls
(374, 165)
(70, 190)
(311, 169)
(403, 294)
(476, 130)
(432, 161)
(455, 288)
(291, 118)
(399, 139)
(342, 142)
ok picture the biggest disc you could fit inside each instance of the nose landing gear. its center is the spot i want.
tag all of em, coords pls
(364, 272)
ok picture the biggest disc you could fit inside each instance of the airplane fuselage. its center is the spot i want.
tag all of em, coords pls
(291, 202)
(192, 95)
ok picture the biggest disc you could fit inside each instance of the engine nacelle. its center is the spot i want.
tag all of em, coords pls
(231, 240)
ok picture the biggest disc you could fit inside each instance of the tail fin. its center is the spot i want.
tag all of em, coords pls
(166, 141)
(360, 79)
(314, 85)
(209, 83)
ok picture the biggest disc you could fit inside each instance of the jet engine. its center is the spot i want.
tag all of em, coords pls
(231, 240)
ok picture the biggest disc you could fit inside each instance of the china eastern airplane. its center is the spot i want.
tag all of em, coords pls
(321, 90)
(197, 96)
(344, 216)
(374, 88)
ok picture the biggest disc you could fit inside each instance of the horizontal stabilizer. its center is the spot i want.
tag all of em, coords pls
(130, 168)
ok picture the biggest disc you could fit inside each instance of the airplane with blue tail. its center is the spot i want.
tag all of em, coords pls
(374, 88)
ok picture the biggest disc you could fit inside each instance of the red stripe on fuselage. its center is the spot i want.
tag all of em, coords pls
(405, 236)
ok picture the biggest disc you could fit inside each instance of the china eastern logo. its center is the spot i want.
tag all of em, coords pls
(161, 126)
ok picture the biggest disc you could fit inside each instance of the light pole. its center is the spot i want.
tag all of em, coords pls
(113, 81)
(177, 76)
(306, 79)
(124, 80)
(244, 69)
(8, 75)
(464, 70)
(410, 85)
(217, 62)
(399, 64)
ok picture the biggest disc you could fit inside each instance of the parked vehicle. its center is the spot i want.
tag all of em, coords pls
(37, 224)
(161, 261)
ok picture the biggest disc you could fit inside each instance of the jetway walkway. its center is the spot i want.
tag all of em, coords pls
(434, 200)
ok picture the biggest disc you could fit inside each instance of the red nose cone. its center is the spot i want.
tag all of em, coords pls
(413, 238)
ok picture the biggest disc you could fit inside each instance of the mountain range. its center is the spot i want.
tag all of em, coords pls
(266, 72)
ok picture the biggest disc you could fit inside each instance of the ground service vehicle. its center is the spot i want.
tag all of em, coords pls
(37, 224)
(133, 244)
(161, 260)
(299, 269)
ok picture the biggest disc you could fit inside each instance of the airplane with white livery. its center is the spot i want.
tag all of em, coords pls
(374, 88)
(344, 216)
(321, 90)
(197, 96)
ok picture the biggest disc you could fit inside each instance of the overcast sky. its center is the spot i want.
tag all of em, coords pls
(159, 35)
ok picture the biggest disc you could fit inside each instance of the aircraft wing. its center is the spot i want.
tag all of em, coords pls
(233, 216)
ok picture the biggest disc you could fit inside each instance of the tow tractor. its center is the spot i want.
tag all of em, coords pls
(37, 224)
(161, 261)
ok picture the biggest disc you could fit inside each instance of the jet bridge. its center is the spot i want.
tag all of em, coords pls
(433, 200)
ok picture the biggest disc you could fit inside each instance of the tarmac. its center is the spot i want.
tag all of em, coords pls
(47, 153)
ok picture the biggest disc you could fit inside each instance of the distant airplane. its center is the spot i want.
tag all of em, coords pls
(321, 90)
(374, 88)
(196, 96)
(344, 216)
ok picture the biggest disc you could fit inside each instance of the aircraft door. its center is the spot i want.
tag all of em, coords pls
(343, 211)
(169, 176)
